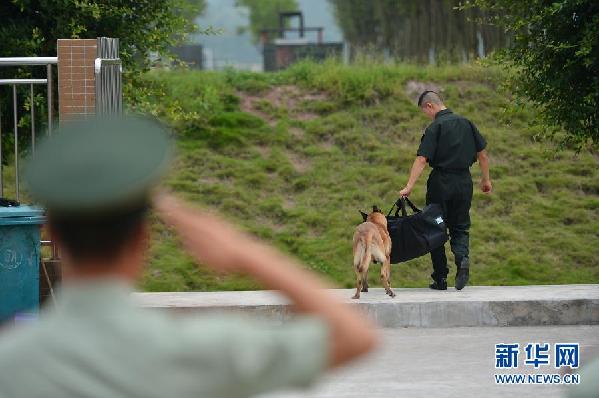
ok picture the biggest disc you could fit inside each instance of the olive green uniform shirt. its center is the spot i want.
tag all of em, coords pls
(451, 142)
(97, 343)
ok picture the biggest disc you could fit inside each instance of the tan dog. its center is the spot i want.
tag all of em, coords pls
(372, 243)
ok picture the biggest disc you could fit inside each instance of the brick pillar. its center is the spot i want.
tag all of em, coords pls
(76, 78)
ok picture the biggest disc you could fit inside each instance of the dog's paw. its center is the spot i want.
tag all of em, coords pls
(355, 296)
(391, 293)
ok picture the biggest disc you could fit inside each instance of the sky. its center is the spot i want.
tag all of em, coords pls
(235, 49)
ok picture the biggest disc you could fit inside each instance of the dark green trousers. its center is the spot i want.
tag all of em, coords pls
(452, 189)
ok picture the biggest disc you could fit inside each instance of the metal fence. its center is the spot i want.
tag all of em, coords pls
(13, 83)
(25, 61)
(108, 70)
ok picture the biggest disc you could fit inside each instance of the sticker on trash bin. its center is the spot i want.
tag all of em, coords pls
(10, 255)
(439, 220)
(10, 258)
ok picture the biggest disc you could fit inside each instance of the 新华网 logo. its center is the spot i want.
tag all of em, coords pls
(537, 356)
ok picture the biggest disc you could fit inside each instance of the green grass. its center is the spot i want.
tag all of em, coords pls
(295, 171)
(298, 183)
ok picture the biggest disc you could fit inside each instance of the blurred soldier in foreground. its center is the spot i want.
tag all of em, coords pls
(589, 382)
(95, 180)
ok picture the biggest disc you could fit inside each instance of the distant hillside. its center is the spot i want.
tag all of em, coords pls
(292, 156)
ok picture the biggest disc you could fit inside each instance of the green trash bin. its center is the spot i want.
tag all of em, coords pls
(19, 260)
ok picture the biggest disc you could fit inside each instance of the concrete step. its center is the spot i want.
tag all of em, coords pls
(423, 308)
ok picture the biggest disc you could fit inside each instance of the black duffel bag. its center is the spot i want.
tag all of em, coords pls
(415, 235)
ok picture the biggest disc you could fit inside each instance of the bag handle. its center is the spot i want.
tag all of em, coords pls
(401, 205)
(414, 208)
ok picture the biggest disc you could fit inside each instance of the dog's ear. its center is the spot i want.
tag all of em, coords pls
(364, 215)
(376, 209)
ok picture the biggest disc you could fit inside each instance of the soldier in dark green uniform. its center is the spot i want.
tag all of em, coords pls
(450, 145)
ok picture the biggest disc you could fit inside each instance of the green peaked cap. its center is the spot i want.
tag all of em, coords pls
(101, 164)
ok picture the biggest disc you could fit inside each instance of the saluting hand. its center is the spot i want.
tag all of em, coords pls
(209, 239)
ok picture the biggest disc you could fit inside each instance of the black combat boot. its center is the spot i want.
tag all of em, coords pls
(439, 284)
(463, 274)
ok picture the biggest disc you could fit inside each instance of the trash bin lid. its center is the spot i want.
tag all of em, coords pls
(21, 215)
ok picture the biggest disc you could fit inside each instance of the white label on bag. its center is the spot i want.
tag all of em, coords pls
(439, 220)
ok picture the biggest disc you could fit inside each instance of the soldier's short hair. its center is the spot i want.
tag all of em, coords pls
(429, 96)
(100, 237)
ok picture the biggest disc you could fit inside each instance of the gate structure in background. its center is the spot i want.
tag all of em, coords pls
(280, 52)
(89, 83)
(89, 78)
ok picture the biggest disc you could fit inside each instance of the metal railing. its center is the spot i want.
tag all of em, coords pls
(25, 61)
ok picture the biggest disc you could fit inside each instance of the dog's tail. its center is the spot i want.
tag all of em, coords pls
(362, 254)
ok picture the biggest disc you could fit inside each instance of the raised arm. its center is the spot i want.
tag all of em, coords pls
(483, 161)
(218, 245)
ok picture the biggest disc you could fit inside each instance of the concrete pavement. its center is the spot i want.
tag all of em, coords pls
(473, 306)
(426, 350)
(446, 362)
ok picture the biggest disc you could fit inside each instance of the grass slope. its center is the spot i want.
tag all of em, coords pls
(292, 156)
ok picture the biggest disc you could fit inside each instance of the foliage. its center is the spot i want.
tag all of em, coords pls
(555, 52)
(416, 30)
(31, 28)
(296, 168)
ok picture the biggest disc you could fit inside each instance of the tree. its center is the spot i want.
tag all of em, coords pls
(555, 53)
(32, 27)
(417, 30)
